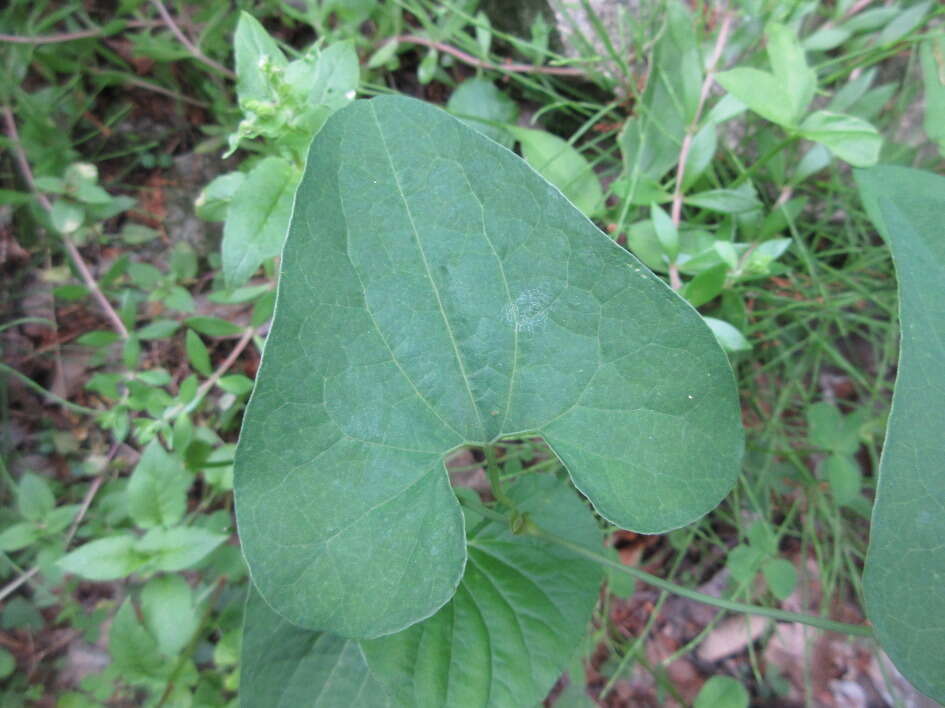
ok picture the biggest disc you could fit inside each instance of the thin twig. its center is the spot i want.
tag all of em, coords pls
(191, 47)
(90, 493)
(205, 387)
(511, 68)
(676, 213)
(72, 36)
(87, 277)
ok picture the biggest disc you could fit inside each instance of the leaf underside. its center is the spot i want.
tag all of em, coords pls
(905, 565)
(436, 292)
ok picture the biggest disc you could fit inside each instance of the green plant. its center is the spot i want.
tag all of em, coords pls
(365, 425)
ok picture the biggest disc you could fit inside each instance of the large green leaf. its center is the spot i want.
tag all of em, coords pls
(435, 291)
(905, 566)
(514, 622)
(284, 666)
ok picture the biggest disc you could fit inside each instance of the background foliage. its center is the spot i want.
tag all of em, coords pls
(150, 153)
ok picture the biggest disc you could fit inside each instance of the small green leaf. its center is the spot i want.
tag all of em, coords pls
(706, 286)
(167, 605)
(214, 200)
(336, 79)
(781, 577)
(761, 92)
(134, 651)
(906, 553)
(797, 80)
(108, 558)
(18, 536)
(563, 166)
(177, 548)
(828, 429)
(905, 21)
(257, 219)
(213, 326)
(843, 475)
(34, 498)
(726, 201)
(66, 216)
(197, 353)
(158, 329)
(252, 47)
(7, 663)
(237, 384)
(666, 232)
(481, 106)
(722, 692)
(728, 336)
(157, 490)
(428, 66)
(932, 58)
(853, 140)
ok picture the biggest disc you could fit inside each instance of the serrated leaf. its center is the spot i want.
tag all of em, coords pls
(515, 620)
(104, 559)
(133, 650)
(167, 605)
(459, 298)
(286, 666)
(257, 219)
(157, 490)
(852, 139)
(906, 558)
(177, 548)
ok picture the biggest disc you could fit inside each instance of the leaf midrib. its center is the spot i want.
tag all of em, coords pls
(429, 274)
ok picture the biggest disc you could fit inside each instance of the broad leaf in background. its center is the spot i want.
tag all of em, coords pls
(651, 140)
(780, 96)
(905, 564)
(258, 219)
(284, 666)
(563, 166)
(481, 106)
(853, 140)
(514, 622)
(436, 291)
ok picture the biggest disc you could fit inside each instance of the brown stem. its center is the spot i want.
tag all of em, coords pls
(191, 47)
(70, 36)
(676, 213)
(90, 282)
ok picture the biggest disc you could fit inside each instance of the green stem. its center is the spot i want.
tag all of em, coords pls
(730, 605)
(49, 394)
(761, 161)
(721, 603)
(495, 481)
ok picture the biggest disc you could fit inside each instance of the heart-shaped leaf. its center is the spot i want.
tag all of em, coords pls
(284, 666)
(515, 620)
(905, 565)
(436, 292)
